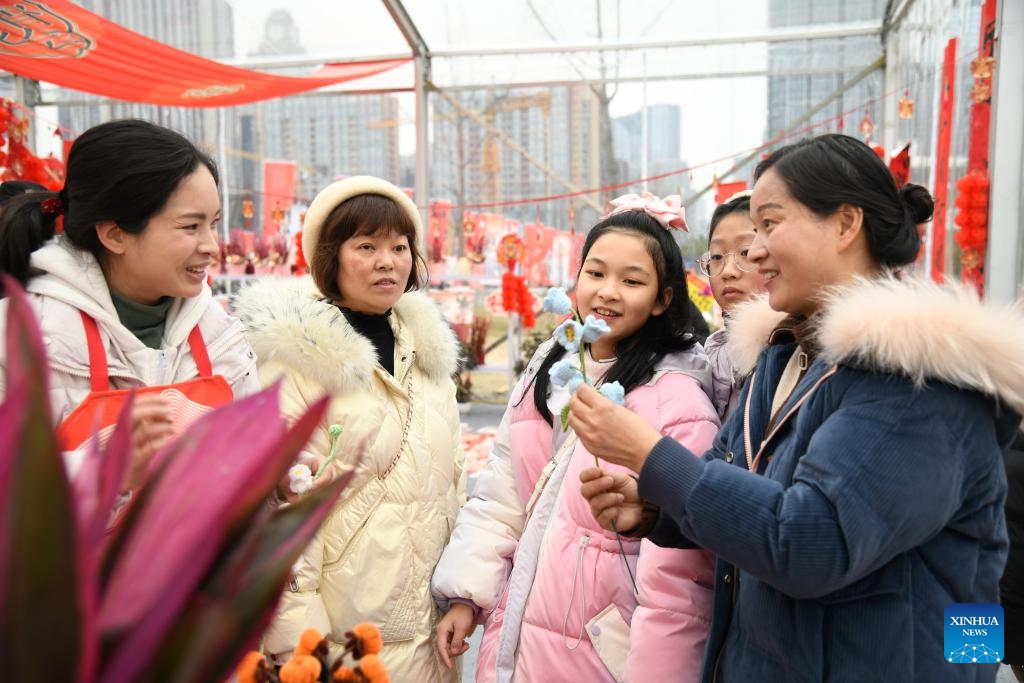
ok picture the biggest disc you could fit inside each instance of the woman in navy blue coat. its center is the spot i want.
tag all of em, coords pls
(858, 489)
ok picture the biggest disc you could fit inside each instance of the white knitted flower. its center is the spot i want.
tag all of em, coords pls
(300, 478)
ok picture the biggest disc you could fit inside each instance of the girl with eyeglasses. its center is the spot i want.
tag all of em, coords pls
(734, 279)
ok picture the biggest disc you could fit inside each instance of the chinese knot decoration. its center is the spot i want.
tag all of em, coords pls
(515, 295)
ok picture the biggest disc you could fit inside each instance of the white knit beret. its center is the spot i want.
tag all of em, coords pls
(335, 193)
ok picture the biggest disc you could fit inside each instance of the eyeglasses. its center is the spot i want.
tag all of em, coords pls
(712, 264)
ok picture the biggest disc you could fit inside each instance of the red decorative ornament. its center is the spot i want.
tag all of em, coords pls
(510, 292)
(972, 219)
(972, 211)
(526, 305)
(906, 106)
(511, 251)
(981, 69)
(867, 126)
(300, 267)
(247, 211)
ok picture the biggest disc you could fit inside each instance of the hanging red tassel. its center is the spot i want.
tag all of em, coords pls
(526, 305)
(509, 292)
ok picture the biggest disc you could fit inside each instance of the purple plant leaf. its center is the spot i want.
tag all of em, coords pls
(241, 594)
(189, 516)
(96, 488)
(39, 557)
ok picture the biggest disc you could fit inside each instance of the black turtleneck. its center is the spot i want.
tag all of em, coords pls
(376, 328)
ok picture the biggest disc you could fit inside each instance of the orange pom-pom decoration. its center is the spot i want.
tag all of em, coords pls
(308, 642)
(373, 669)
(247, 668)
(345, 674)
(300, 669)
(369, 637)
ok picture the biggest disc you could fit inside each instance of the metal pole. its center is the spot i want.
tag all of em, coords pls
(422, 120)
(222, 161)
(643, 127)
(1003, 262)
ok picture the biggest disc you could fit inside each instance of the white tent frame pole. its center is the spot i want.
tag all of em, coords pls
(1003, 276)
(421, 55)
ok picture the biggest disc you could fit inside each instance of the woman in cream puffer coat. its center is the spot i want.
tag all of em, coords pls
(374, 555)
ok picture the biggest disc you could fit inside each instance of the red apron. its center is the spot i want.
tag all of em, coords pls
(98, 413)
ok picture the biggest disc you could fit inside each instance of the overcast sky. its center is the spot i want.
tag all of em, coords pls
(719, 116)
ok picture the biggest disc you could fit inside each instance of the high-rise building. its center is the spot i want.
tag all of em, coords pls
(558, 126)
(801, 74)
(663, 147)
(328, 136)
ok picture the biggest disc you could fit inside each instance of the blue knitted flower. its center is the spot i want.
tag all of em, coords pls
(564, 371)
(568, 335)
(614, 392)
(594, 328)
(557, 301)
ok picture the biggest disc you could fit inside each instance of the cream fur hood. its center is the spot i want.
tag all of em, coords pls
(323, 346)
(910, 326)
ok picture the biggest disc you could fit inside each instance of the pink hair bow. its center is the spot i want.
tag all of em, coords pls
(668, 211)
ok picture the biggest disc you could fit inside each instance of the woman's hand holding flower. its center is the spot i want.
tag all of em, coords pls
(609, 431)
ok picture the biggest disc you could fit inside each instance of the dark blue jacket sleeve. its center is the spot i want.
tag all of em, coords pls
(880, 475)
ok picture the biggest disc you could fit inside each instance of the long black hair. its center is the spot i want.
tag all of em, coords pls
(122, 171)
(662, 334)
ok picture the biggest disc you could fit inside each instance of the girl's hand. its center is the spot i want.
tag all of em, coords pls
(609, 431)
(452, 632)
(151, 429)
(613, 497)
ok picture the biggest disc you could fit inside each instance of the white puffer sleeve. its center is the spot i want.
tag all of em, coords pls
(478, 557)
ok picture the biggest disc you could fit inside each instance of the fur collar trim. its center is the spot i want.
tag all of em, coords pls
(910, 326)
(286, 322)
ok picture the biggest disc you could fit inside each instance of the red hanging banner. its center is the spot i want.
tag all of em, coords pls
(725, 190)
(973, 201)
(59, 42)
(941, 192)
(278, 194)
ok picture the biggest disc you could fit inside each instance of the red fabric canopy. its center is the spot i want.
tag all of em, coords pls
(59, 42)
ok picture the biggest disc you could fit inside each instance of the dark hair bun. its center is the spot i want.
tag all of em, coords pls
(918, 203)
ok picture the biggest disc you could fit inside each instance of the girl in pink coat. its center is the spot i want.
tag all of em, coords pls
(560, 598)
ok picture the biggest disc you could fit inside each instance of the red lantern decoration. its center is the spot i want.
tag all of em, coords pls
(972, 219)
(510, 292)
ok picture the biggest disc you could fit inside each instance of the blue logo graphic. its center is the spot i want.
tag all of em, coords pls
(974, 633)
